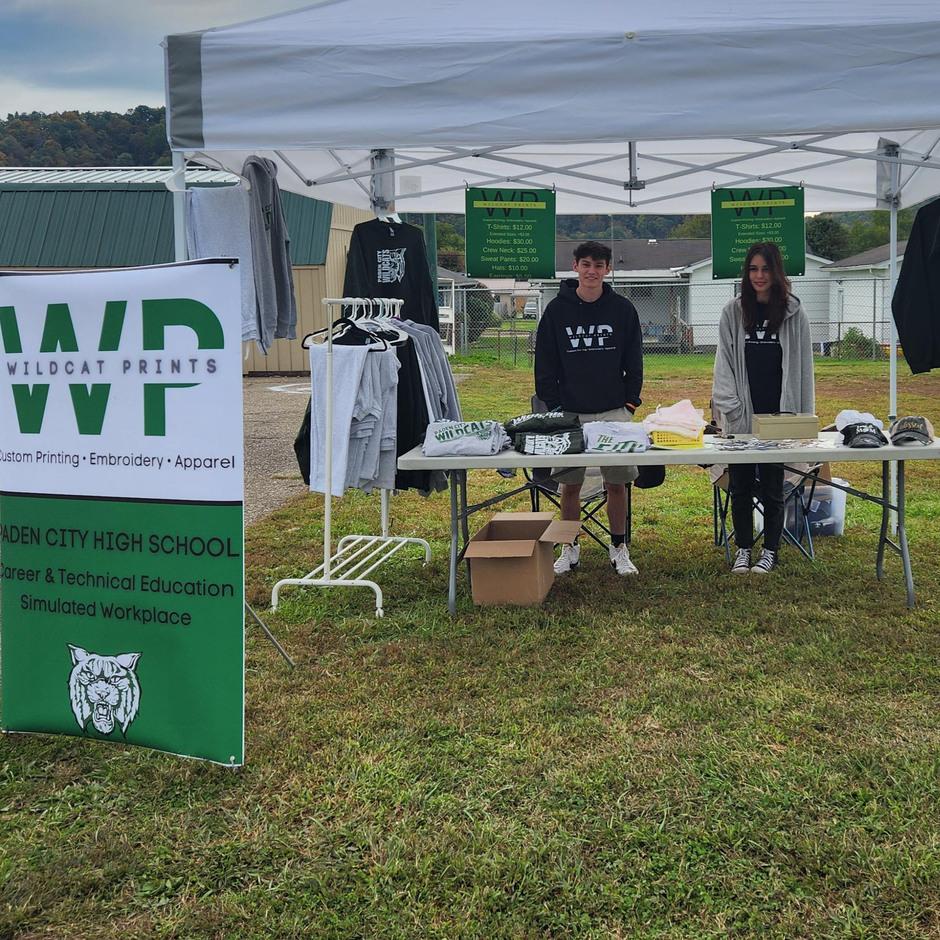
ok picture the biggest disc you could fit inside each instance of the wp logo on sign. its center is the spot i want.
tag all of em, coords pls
(90, 401)
(595, 336)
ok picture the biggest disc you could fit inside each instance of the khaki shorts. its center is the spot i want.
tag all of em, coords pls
(574, 476)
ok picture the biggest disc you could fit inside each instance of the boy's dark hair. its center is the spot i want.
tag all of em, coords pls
(596, 251)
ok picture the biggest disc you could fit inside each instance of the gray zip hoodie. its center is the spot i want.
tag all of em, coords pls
(731, 395)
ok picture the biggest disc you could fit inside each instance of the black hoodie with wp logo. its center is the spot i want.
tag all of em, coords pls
(589, 356)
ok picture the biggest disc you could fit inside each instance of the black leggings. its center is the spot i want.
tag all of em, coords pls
(744, 482)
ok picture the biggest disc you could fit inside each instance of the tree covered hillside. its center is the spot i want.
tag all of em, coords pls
(89, 138)
(138, 138)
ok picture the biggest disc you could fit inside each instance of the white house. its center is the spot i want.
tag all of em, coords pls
(670, 283)
(707, 296)
(860, 293)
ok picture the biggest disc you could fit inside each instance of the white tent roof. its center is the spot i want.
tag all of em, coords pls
(540, 92)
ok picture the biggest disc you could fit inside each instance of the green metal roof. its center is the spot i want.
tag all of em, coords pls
(56, 225)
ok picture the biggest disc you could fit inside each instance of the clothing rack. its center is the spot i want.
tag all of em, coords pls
(356, 556)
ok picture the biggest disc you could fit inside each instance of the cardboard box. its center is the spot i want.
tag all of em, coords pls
(781, 427)
(511, 557)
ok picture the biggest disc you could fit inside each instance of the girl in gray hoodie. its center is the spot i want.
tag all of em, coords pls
(763, 364)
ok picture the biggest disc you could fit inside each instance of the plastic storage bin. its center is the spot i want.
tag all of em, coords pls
(825, 513)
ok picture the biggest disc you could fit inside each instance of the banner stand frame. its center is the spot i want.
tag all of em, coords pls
(270, 635)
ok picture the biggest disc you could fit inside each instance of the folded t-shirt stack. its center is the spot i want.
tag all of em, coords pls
(615, 437)
(548, 422)
(470, 438)
(550, 433)
(550, 445)
(682, 418)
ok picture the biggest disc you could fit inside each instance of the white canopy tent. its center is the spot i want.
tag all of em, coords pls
(621, 107)
(539, 92)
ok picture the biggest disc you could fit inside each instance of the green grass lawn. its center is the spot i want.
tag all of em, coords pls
(683, 754)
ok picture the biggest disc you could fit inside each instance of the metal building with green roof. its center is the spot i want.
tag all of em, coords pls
(123, 217)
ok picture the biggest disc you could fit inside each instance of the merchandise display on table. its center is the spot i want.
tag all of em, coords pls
(828, 446)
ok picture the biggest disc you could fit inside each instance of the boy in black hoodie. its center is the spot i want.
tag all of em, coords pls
(589, 359)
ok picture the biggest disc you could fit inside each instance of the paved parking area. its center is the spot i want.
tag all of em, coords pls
(274, 407)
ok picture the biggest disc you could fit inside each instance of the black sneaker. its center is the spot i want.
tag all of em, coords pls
(766, 563)
(742, 561)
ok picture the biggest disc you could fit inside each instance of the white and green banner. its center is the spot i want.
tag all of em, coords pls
(121, 524)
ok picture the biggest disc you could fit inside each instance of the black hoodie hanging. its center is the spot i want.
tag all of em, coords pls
(388, 259)
(916, 301)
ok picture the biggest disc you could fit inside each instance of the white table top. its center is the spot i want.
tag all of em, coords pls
(828, 446)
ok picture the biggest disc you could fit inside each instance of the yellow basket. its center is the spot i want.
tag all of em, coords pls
(671, 439)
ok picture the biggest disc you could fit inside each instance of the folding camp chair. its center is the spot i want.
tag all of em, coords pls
(593, 494)
(593, 499)
(797, 498)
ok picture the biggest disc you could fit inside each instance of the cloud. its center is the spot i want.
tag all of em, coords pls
(26, 97)
(146, 18)
(100, 54)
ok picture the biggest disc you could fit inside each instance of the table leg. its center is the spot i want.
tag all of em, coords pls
(452, 576)
(885, 516)
(902, 538)
(464, 521)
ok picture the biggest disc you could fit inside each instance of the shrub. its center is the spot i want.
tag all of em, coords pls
(856, 345)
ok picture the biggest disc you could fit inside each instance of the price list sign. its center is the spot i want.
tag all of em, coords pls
(741, 217)
(511, 233)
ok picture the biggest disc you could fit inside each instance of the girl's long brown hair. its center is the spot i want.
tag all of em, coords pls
(779, 288)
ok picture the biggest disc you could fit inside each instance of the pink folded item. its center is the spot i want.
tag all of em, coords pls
(681, 418)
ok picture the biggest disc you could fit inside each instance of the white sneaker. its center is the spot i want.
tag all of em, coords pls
(766, 563)
(569, 559)
(742, 561)
(620, 560)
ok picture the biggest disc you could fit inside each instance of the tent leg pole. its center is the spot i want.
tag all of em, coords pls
(893, 348)
(382, 188)
(179, 208)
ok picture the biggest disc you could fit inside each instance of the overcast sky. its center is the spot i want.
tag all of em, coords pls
(101, 55)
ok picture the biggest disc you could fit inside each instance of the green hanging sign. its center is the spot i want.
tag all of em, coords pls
(741, 217)
(510, 233)
(121, 523)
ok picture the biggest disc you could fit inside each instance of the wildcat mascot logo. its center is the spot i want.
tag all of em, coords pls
(103, 689)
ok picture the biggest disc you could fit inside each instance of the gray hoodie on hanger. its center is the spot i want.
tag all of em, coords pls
(270, 252)
(731, 394)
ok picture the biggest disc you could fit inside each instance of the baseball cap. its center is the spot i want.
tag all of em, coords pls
(913, 429)
(863, 434)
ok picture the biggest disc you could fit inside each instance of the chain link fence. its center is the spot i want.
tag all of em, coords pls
(849, 317)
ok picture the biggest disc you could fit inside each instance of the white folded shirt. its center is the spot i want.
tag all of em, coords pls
(615, 437)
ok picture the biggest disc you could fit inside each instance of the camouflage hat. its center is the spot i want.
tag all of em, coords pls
(913, 429)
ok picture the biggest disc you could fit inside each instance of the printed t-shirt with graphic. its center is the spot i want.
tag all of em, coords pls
(469, 438)
(546, 422)
(763, 358)
(615, 437)
(550, 445)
